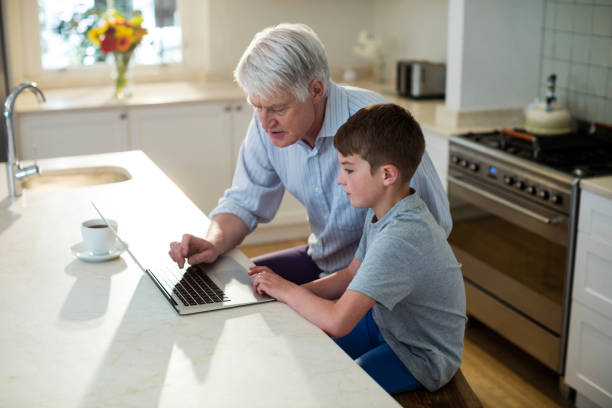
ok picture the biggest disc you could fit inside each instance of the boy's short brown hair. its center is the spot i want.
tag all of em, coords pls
(380, 134)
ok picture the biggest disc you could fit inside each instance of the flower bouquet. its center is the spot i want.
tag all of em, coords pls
(120, 37)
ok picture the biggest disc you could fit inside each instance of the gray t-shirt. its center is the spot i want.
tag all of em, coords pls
(410, 270)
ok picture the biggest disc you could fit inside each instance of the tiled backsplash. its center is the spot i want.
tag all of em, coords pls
(577, 46)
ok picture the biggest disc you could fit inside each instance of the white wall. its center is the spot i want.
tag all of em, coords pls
(411, 29)
(234, 22)
(494, 49)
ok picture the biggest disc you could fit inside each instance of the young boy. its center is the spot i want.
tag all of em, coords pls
(398, 309)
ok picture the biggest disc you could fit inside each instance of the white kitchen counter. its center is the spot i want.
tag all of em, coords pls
(147, 94)
(78, 334)
(599, 185)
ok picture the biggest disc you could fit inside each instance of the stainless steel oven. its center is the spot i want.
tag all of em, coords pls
(514, 218)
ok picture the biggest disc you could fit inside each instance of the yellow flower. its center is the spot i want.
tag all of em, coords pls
(94, 35)
(124, 31)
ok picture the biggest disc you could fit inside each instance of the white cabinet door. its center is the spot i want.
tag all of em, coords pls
(589, 354)
(58, 134)
(191, 143)
(589, 350)
(436, 146)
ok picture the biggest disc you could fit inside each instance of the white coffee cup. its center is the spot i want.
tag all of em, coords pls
(98, 238)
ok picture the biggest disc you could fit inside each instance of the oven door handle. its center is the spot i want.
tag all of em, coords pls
(499, 200)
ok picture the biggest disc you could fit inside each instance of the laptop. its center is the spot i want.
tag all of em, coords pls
(196, 288)
(204, 287)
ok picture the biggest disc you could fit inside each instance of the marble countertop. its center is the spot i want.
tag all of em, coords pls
(146, 94)
(598, 185)
(79, 334)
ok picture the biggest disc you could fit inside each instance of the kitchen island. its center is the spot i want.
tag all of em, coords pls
(79, 334)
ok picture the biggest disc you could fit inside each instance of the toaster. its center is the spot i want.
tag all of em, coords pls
(421, 79)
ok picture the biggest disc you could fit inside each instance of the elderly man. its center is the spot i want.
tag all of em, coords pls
(289, 146)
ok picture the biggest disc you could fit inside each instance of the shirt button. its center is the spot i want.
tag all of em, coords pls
(325, 216)
(316, 189)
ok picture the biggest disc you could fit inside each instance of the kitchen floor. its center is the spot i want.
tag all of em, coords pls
(501, 375)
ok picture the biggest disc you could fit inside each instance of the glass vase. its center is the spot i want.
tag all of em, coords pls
(122, 78)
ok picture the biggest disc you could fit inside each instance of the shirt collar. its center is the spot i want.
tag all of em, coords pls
(336, 110)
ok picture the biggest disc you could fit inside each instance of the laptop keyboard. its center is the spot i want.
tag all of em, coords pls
(191, 286)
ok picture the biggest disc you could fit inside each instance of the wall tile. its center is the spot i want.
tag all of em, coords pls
(562, 69)
(583, 18)
(547, 43)
(600, 48)
(581, 45)
(607, 117)
(562, 45)
(597, 82)
(550, 12)
(565, 17)
(602, 20)
(577, 46)
(578, 77)
(562, 96)
(546, 70)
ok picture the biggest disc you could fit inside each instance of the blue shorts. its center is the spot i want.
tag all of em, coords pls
(366, 345)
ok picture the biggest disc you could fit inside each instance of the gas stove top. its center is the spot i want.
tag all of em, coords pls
(584, 153)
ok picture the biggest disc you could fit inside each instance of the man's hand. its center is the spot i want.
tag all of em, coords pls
(264, 280)
(195, 250)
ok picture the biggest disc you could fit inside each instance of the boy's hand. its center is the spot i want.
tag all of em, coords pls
(264, 280)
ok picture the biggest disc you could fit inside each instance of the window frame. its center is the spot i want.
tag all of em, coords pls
(24, 50)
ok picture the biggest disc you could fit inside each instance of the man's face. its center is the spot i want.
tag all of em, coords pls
(285, 119)
(362, 187)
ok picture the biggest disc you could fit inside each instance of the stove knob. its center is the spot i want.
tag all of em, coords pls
(520, 185)
(474, 167)
(463, 163)
(531, 189)
(455, 159)
(557, 199)
(543, 194)
(508, 180)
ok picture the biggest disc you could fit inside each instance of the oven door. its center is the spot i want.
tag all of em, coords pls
(514, 256)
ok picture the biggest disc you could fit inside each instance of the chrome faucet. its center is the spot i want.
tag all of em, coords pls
(14, 171)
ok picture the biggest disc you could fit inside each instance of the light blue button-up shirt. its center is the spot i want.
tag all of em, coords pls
(264, 172)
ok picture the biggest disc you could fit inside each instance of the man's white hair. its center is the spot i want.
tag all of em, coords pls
(285, 58)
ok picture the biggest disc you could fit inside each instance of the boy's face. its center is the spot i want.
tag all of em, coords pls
(362, 188)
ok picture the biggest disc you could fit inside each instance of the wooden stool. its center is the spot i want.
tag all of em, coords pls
(456, 394)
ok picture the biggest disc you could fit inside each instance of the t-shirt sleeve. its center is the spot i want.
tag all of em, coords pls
(386, 274)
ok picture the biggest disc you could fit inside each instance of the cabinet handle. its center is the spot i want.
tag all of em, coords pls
(228, 108)
(123, 116)
(238, 108)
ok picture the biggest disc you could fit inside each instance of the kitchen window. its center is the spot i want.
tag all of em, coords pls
(172, 49)
(64, 25)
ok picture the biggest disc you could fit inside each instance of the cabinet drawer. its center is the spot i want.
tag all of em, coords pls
(595, 216)
(589, 355)
(593, 273)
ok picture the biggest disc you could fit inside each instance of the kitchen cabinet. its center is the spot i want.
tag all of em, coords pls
(436, 145)
(196, 144)
(59, 134)
(190, 144)
(589, 352)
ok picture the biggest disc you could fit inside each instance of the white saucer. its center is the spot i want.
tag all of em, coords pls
(80, 251)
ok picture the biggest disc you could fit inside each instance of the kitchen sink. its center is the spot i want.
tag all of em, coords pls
(75, 177)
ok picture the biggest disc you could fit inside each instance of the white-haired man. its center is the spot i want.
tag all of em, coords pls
(289, 146)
